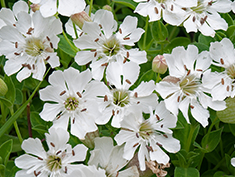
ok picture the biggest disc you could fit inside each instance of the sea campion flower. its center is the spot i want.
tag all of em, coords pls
(170, 10)
(57, 161)
(88, 171)
(150, 135)
(101, 44)
(184, 89)
(205, 17)
(29, 44)
(109, 157)
(116, 102)
(222, 84)
(66, 7)
(74, 98)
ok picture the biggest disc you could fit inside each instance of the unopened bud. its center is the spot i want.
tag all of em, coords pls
(80, 18)
(3, 88)
(89, 139)
(107, 7)
(35, 7)
(159, 64)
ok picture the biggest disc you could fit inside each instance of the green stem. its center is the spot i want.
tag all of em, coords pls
(146, 31)
(190, 136)
(16, 127)
(75, 30)
(91, 5)
(3, 4)
(158, 78)
(200, 162)
(14, 117)
(71, 45)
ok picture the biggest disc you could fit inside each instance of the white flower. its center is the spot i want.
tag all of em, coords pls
(101, 45)
(74, 98)
(183, 89)
(66, 7)
(150, 135)
(205, 17)
(117, 101)
(56, 162)
(233, 162)
(29, 44)
(109, 157)
(222, 84)
(88, 171)
(170, 10)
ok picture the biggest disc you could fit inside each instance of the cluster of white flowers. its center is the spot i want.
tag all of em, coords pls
(84, 100)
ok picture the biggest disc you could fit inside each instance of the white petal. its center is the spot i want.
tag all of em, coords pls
(69, 7)
(48, 8)
(20, 6)
(200, 114)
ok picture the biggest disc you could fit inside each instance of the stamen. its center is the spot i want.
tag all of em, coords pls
(222, 61)
(100, 25)
(65, 169)
(185, 67)
(178, 99)
(159, 144)
(210, 3)
(117, 174)
(149, 148)
(125, 59)
(120, 30)
(113, 112)
(138, 102)
(95, 54)
(97, 40)
(117, 111)
(205, 18)
(188, 72)
(79, 94)
(62, 93)
(47, 58)
(30, 30)
(52, 144)
(127, 54)
(158, 118)
(93, 50)
(58, 117)
(48, 38)
(222, 81)
(171, 7)
(156, 10)
(73, 120)
(165, 135)
(137, 135)
(162, 126)
(191, 106)
(194, 18)
(73, 153)
(163, 6)
(105, 98)
(126, 38)
(128, 81)
(83, 110)
(135, 144)
(105, 64)
(58, 152)
(202, 21)
(14, 25)
(199, 70)
(80, 34)
(227, 88)
(33, 66)
(17, 53)
(40, 158)
(16, 44)
(136, 94)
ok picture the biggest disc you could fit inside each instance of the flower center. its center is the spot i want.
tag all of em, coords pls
(120, 98)
(71, 103)
(111, 46)
(189, 85)
(160, 1)
(53, 163)
(146, 130)
(231, 71)
(34, 46)
(201, 7)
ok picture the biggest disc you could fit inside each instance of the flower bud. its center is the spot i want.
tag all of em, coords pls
(159, 64)
(89, 139)
(35, 7)
(107, 7)
(80, 18)
(3, 88)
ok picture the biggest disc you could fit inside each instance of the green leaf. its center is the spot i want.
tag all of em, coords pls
(186, 172)
(11, 94)
(6, 102)
(232, 128)
(128, 3)
(148, 76)
(19, 97)
(65, 47)
(5, 150)
(16, 143)
(159, 31)
(205, 39)
(179, 41)
(227, 18)
(211, 140)
(201, 47)
(221, 174)
(148, 42)
(2, 170)
(227, 115)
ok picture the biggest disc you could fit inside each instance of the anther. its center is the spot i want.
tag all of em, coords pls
(14, 25)
(113, 112)
(29, 31)
(188, 72)
(227, 88)
(191, 106)
(97, 40)
(17, 53)
(33, 66)
(47, 58)
(48, 38)
(221, 61)
(95, 54)
(162, 126)
(127, 54)
(100, 25)
(52, 144)
(16, 44)
(138, 102)
(165, 135)
(158, 118)
(163, 6)
(178, 99)
(105, 98)
(149, 148)
(136, 94)
(105, 64)
(79, 94)
(58, 117)
(171, 7)
(158, 144)
(73, 153)
(194, 18)
(117, 111)
(156, 10)
(199, 70)
(83, 110)
(40, 158)
(202, 21)
(205, 18)
(210, 3)
(137, 135)
(65, 169)
(73, 120)
(125, 59)
(28, 66)
(51, 45)
(222, 81)
(126, 38)
(80, 34)
(62, 93)
(184, 8)
(58, 152)
(120, 30)
(36, 174)
(93, 50)
(135, 144)
(117, 174)
(185, 67)
(128, 81)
